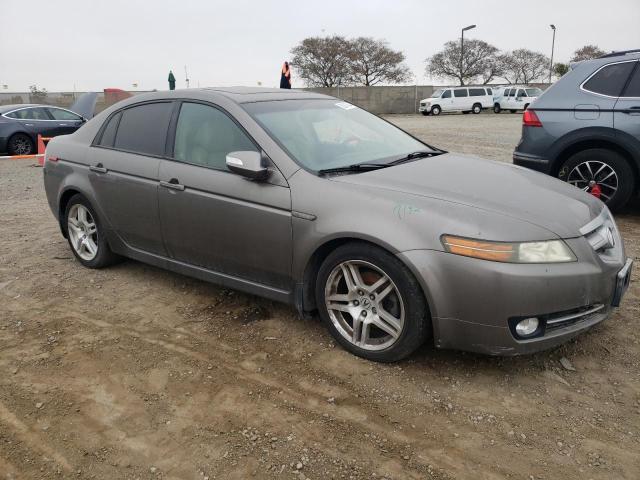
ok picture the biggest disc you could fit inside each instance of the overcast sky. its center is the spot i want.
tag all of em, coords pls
(95, 44)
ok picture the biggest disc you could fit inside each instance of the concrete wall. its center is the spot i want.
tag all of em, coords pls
(59, 99)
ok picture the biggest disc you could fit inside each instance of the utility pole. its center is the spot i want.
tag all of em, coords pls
(462, 49)
(553, 44)
(186, 76)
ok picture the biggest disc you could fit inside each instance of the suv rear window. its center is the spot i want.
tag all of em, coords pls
(143, 129)
(633, 88)
(476, 92)
(610, 79)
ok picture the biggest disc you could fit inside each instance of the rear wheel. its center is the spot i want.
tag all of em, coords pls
(477, 108)
(435, 110)
(86, 235)
(496, 108)
(601, 172)
(371, 303)
(20, 144)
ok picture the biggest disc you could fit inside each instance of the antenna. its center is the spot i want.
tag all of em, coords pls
(186, 76)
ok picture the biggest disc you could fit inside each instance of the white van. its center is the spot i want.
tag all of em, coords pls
(457, 99)
(515, 98)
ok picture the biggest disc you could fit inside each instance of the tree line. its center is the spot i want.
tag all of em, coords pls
(339, 61)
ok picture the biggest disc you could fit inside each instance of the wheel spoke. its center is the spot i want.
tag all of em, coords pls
(356, 335)
(379, 283)
(610, 174)
(339, 307)
(90, 246)
(91, 228)
(382, 295)
(588, 165)
(387, 322)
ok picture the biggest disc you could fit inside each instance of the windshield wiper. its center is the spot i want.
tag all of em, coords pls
(414, 155)
(356, 167)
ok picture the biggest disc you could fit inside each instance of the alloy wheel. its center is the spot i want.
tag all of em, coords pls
(83, 232)
(364, 305)
(21, 145)
(594, 176)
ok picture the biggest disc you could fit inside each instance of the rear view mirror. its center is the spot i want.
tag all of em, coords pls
(248, 164)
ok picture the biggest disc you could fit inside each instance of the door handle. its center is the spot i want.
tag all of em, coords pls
(173, 184)
(98, 168)
(635, 110)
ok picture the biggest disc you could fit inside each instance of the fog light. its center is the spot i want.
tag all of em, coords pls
(526, 327)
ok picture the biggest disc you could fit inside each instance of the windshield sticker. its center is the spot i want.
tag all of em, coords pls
(345, 106)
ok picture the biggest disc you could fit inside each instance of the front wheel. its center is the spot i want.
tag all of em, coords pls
(20, 144)
(435, 110)
(497, 108)
(372, 304)
(477, 108)
(86, 235)
(601, 172)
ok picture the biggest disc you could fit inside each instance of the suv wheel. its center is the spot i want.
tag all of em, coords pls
(477, 108)
(496, 108)
(371, 303)
(435, 110)
(85, 234)
(601, 172)
(20, 144)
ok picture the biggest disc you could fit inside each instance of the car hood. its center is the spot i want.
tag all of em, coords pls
(492, 186)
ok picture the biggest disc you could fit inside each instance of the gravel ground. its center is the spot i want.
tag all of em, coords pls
(136, 373)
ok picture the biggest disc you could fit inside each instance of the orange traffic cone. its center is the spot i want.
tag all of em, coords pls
(41, 150)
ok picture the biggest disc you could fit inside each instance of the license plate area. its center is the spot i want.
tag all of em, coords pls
(622, 282)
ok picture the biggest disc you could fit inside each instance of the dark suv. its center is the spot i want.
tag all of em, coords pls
(585, 129)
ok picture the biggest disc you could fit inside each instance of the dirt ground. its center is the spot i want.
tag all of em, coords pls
(136, 373)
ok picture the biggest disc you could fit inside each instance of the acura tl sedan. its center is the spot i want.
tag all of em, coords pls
(309, 200)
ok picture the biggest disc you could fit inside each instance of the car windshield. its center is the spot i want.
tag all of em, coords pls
(534, 92)
(437, 93)
(327, 134)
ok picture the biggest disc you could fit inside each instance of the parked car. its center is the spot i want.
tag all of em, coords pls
(515, 98)
(458, 99)
(306, 199)
(585, 129)
(20, 124)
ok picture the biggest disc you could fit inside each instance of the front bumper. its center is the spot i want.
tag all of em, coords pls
(424, 108)
(472, 301)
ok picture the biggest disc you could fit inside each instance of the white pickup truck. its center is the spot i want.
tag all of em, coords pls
(514, 98)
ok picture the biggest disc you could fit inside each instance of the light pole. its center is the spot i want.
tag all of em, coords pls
(553, 44)
(462, 49)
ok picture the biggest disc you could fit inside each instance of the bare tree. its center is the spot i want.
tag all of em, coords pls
(372, 62)
(322, 61)
(524, 66)
(478, 62)
(587, 53)
(37, 95)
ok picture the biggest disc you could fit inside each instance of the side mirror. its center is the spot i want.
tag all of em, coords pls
(248, 164)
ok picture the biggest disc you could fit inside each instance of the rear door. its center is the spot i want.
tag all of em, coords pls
(124, 164)
(626, 115)
(64, 121)
(216, 219)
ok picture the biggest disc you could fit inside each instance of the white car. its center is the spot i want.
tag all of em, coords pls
(515, 98)
(457, 99)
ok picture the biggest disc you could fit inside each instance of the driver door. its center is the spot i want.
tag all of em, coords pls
(216, 219)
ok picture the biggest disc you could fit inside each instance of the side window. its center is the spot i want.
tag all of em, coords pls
(489, 91)
(38, 113)
(476, 92)
(633, 87)
(109, 133)
(610, 80)
(512, 92)
(521, 93)
(143, 128)
(59, 114)
(446, 94)
(205, 135)
(462, 92)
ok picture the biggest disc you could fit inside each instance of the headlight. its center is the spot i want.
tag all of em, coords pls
(550, 251)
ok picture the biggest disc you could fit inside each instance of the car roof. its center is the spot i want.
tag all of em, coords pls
(8, 108)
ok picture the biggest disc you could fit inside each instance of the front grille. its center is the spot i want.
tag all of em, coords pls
(570, 317)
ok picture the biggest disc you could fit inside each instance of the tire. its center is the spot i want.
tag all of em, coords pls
(435, 110)
(425, 113)
(404, 302)
(526, 106)
(496, 108)
(477, 108)
(20, 144)
(101, 256)
(623, 179)
(513, 111)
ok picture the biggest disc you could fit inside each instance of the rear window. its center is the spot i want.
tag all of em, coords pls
(109, 133)
(476, 92)
(609, 80)
(489, 91)
(633, 88)
(460, 93)
(143, 129)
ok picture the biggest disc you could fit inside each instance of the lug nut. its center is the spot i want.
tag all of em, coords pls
(360, 292)
(364, 313)
(372, 296)
(356, 303)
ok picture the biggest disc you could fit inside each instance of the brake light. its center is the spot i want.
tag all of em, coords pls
(530, 119)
